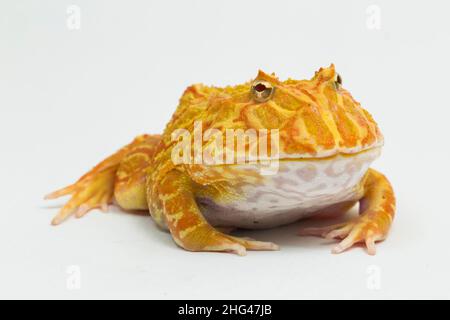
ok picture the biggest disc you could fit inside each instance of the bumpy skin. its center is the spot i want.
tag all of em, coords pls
(317, 119)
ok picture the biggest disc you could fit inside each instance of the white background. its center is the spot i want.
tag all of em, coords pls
(68, 98)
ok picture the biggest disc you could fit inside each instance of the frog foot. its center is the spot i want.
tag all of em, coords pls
(206, 238)
(350, 233)
(376, 207)
(92, 191)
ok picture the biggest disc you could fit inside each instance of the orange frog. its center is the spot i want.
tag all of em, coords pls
(325, 142)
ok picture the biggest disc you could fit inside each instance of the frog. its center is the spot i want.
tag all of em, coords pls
(326, 142)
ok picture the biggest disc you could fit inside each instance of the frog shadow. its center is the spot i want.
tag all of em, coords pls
(286, 236)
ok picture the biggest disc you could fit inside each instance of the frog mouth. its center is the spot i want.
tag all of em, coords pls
(329, 155)
(372, 153)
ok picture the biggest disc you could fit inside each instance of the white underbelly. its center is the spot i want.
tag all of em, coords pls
(298, 189)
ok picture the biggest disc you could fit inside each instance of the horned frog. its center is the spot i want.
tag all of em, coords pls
(326, 142)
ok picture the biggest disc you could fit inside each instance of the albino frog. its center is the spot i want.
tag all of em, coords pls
(326, 143)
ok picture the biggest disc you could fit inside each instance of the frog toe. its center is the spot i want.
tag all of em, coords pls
(350, 233)
(359, 235)
(323, 232)
(255, 245)
(80, 204)
(89, 193)
(215, 242)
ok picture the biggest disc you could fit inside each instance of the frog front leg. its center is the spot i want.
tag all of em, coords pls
(377, 208)
(176, 202)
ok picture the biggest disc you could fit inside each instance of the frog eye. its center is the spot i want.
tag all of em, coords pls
(262, 90)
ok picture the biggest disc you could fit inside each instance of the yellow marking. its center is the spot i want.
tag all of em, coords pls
(183, 233)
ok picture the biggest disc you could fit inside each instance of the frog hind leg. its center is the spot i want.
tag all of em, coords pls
(173, 201)
(377, 209)
(96, 188)
(130, 185)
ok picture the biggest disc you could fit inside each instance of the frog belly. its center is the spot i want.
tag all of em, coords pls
(298, 190)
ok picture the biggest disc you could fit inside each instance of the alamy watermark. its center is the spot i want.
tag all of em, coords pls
(73, 280)
(373, 277)
(73, 20)
(373, 20)
(234, 146)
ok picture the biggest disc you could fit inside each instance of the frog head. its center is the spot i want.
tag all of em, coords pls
(313, 118)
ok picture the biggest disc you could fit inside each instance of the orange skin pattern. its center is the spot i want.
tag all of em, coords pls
(316, 119)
